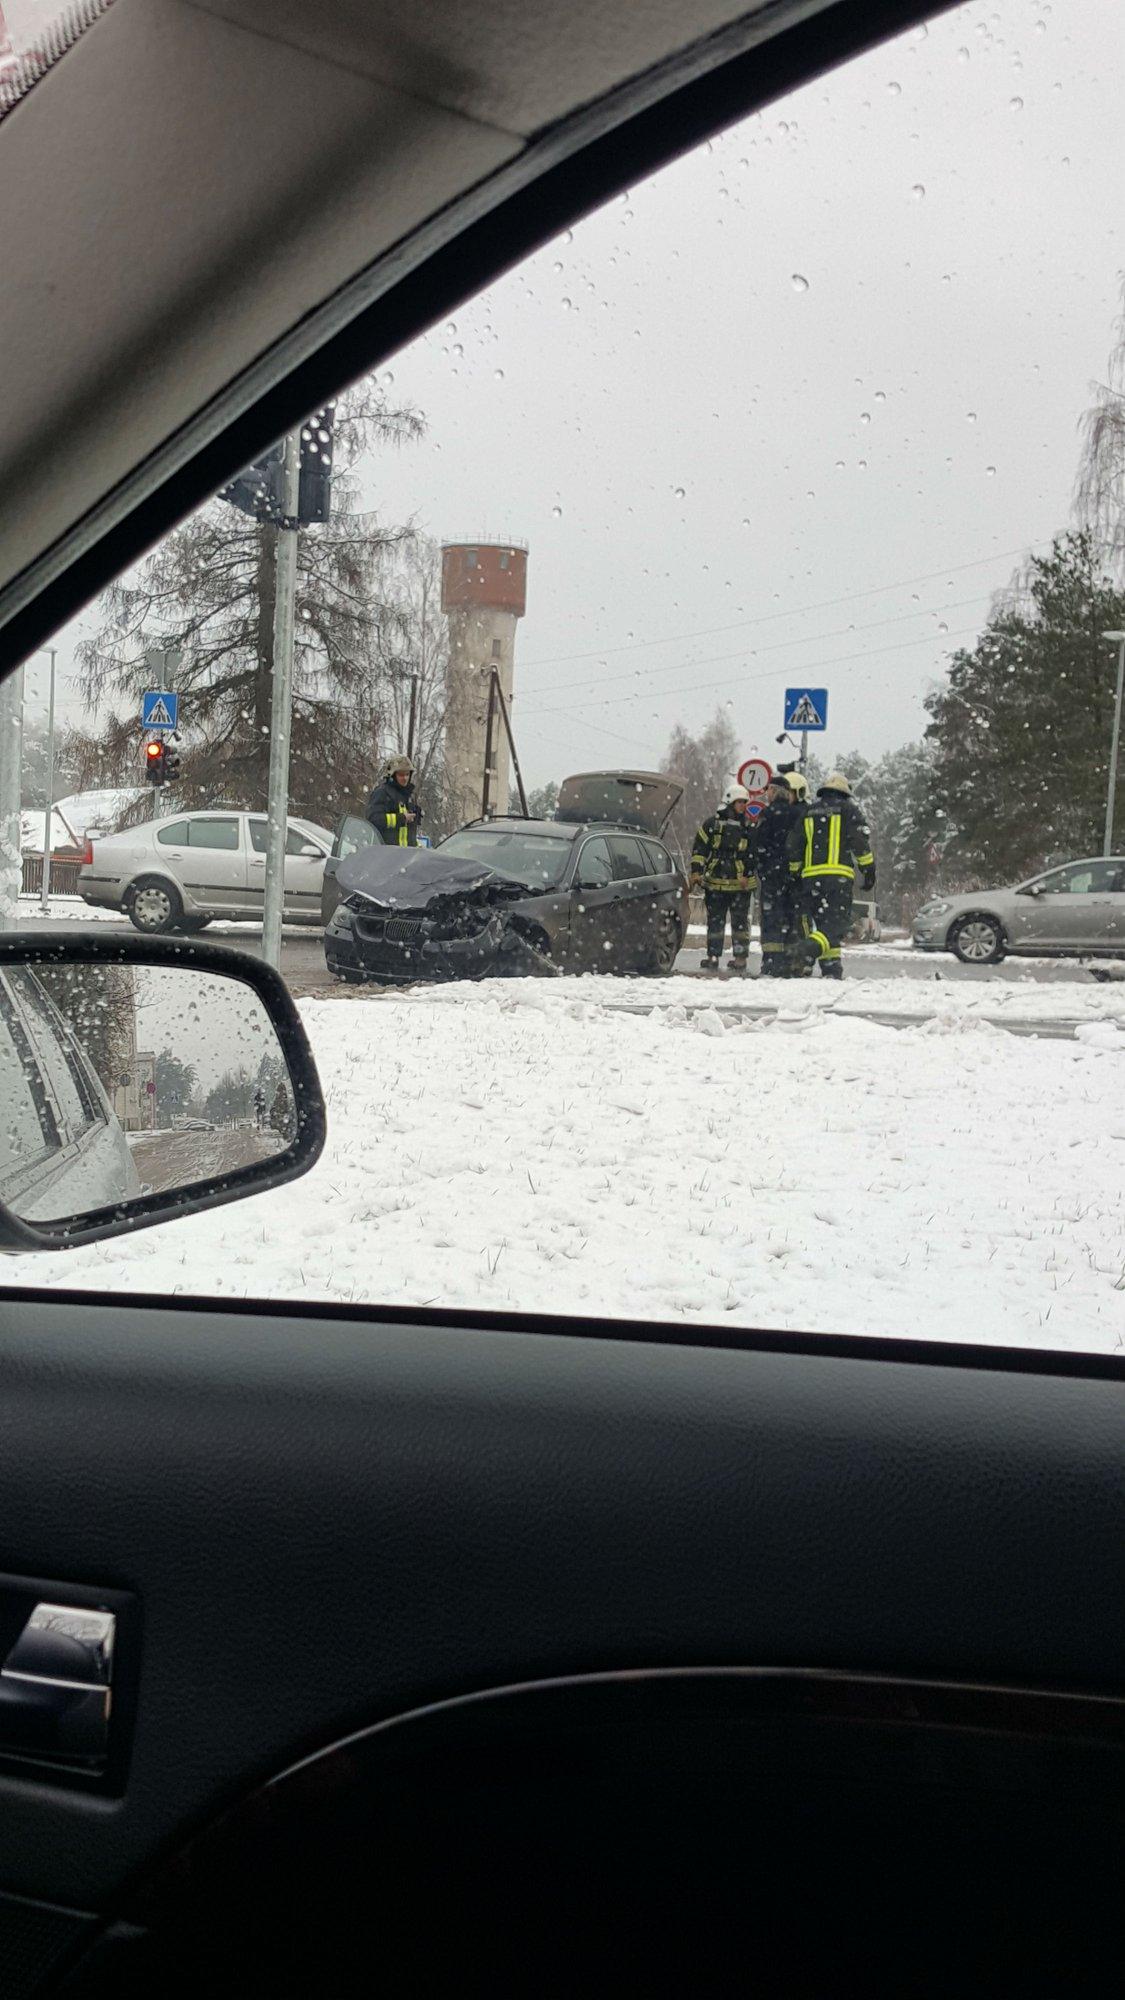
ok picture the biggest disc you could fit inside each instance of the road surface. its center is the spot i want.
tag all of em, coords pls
(179, 1159)
(302, 959)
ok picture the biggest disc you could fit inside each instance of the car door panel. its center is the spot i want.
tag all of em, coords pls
(328, 1518)
(594, 908)
(214, 875)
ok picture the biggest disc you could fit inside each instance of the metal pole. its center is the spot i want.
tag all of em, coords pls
(507, 721)
(11, 867)
(413, 722)
(1111, 794)
(804, 749)
(49, 800)
(281, 706)
(489, 750)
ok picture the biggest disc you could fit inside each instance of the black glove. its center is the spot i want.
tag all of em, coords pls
(869, 878)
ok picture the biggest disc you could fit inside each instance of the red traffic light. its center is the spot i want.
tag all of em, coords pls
(155, 761)
(153, 750)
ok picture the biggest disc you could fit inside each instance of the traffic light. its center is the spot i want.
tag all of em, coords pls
(156, 761)
(171, 763)
(259, 490)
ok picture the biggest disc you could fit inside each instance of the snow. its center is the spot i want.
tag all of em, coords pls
(103, 809)
(63, 835)
(531, 1147)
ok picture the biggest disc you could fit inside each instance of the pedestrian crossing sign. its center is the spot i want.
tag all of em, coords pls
(806, 708)
(159, 709)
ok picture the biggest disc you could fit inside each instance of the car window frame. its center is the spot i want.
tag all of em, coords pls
(220, 819)
(164, 833)
(631, 840)
(589, 840)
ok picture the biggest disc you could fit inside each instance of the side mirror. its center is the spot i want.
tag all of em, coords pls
(312, 853)
(143, 1079)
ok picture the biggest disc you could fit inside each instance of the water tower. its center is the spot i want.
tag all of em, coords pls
(483, 593)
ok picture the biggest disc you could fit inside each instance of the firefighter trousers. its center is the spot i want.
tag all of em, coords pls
(777, 917)
(722, 903)
(826, 915)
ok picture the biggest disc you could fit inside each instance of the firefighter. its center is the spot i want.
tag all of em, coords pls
(722, 863)
(392, 809)
(776, 894)
(827, 844)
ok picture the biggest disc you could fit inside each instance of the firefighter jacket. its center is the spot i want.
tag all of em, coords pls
(830, 841)
(771, 840)
(723, 852)
(387, 809)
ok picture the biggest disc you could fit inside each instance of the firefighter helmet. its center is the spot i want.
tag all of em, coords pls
(836, 782)
(735, 794)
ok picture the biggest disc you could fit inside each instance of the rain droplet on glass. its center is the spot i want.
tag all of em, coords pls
(799, 283)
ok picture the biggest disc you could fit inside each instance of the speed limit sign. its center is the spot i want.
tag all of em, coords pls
(755, 774)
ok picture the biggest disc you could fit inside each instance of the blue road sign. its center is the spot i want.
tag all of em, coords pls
(160, 710)
(806, 708)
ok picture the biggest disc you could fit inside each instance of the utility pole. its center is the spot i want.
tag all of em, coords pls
(11, 716)
(281, 705)
(49, 799)
(1115, 743)
(411, 727)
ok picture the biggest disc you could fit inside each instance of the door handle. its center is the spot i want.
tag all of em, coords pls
(56, 1687)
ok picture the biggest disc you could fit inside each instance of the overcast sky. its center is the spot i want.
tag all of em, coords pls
(792, 410)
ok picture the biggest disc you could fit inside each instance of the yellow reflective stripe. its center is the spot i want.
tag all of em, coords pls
(865, 860)
(808, 845)
(834, 841)
(821, 943)
(391, 818)
(826, 868)
(404, 836)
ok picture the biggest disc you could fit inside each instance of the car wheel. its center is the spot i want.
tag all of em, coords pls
(662, 958)
(977, 940)
(154, 906)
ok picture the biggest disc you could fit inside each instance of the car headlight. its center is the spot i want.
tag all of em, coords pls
(932, 910)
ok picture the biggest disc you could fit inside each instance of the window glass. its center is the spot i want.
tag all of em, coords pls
(537, 859)
(806, 451)
(626, 857)
(59, 1065)
(595, 867)
(213, 833)
(296, 840)
(28, 1131)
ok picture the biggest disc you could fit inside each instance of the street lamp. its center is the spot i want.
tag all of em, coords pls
(1119, 640)
(49, 802)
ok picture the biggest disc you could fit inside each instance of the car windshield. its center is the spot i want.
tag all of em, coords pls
(801, 459)
(535, 858)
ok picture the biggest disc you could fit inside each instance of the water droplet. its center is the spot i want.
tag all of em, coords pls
(839, 465)
(942, 626)
(894, 90)
(865, 416)
(991, 471)
(962, 54)
(498, 374)
(388, 376)
(746, 520)
(1015, 104)
(679, 492)
(566, 305)
(1065, 161)
(880, 395)
(799, 283)
(556, 513)
(863, 465)
(557, 265)
(918, 191)
(452, 326)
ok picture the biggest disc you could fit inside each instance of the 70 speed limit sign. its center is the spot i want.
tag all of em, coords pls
(755, 774)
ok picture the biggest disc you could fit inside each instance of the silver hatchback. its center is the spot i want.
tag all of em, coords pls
(180, 874)
(1072, 912)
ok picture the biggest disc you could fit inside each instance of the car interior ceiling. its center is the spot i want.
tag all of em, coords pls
(486, 1650)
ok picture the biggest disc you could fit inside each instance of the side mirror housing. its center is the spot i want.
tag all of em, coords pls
(143, 1079)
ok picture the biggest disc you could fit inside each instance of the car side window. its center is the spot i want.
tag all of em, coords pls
(28, 1128)
(174, 834)
(295, 840)
(627, 857)
(595, 869)
(57, 1057)
(352, 834)
(213, 833)
(659, 859)
(1083, 878)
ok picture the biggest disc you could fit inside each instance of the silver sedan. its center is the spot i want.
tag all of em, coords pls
(1073, 912)
(179, 874)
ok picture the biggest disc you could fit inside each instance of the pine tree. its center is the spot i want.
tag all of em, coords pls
(1020, 734)
(705, 764)
(208, 590)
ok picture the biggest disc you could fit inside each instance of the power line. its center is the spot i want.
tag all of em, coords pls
(780, 646)
(696, 687)
(795, 611)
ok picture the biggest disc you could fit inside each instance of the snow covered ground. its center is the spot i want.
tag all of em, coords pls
(531, 1147)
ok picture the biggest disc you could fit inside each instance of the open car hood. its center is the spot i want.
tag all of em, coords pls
(414, 877)
(644, 799)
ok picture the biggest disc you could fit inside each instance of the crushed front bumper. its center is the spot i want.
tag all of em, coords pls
(399, 950)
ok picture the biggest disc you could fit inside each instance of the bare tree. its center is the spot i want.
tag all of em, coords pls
(1099, 492)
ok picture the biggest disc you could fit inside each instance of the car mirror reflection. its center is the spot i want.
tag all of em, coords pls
(142, 1081)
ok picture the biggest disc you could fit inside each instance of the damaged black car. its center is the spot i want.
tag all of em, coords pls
(593, 889)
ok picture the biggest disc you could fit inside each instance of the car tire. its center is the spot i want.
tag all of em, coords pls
(662, 958)
(154, 905)
(977, 939)
(191, 925)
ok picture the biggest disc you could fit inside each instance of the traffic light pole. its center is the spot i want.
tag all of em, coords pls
(281, 706)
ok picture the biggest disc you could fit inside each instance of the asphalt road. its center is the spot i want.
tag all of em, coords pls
(178, 1159)
(302, 960)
